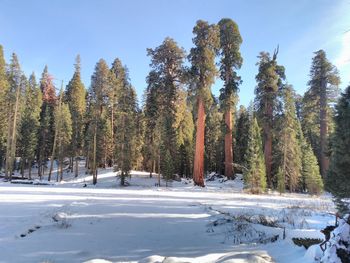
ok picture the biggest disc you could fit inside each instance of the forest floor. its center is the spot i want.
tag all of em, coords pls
(67, 222)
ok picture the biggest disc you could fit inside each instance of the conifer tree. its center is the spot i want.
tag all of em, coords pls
(167, 76)
(311, 176)
(184, 134)
(30, 124)
(4, 86)
(152, 114)
(269, 80)
(126, 136)
(97, 101)
(17, 83)
(63, 126)
(255, 176)
(203, 72)
(242, 135)
(322, 92)
(289, 147)
(46, 135)
(338, 177)
(76, 99)
(231, 60)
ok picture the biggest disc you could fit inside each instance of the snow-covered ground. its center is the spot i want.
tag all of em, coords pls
(67, 222)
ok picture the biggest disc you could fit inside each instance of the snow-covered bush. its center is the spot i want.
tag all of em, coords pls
(338, 247)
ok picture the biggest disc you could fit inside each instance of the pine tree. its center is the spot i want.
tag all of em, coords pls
(242, 135)
(255, 175)
(203, 72)
(46, 136)
(322, 93)
(63, 128)
(30, 124)
(76, 99)
(167, 76)
(126, 135)
(4, 88)
(184, 134)
(269, 80)
(311, 176)
(338, 177)
(231, 60)
(17, 83)
(97, 102)
(152, 113)
(289, 147)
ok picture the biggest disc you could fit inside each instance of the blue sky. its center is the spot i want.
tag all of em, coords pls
(54, 32)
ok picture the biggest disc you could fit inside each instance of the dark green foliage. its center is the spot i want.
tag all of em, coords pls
(214, 140)
(14, 98)
(288, 145)
(231, 60)
(317, 111)
(242, 136)
(202, 57)
(63, 129)
(338, 177)
(164, 107)
(126, 113)
(30, 121)
(269, 78)
(46, 135)
(98, 102)
(76, 99)
(255, 176)
(311, 176)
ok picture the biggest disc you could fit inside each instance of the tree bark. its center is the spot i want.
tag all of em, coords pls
(30, 169)
(324, 162)
(198, 170)
(76, 166)
(228, 145)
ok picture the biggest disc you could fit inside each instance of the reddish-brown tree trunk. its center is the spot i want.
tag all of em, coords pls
(268, 144)
(324, 162)
(198, 168)
(228, 145)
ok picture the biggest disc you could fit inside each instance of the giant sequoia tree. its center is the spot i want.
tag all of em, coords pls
(203, 72)
(317, 106)
(269, 80)
(231, 60)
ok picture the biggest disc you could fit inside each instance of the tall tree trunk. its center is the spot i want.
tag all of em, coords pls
(94, 168)
(159, 168)
(22, 167)
(13, 136)
(228, 145)
(30, 169)
(324, 162)
(76, 166)
(8, 147)
(198, 169)
(268, 144)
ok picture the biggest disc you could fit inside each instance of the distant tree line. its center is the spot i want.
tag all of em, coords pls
(282, 141)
